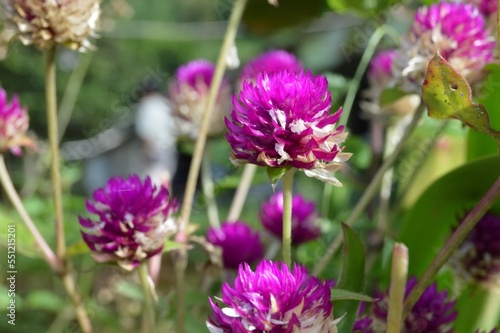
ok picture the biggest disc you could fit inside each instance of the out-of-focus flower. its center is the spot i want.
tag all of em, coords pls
(283, 120)
(304, 218)
(14, 123)
(380, 71)
(188, 94)
(478, 258)
(270, 62)
(239, 243)
(433, 313)
(457, 31)
(46, 23)
(487, 7)
(274, 299)
(133, 221)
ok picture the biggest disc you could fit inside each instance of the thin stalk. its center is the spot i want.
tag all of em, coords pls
(208, 191)
(399, 274)
(241, 192)
(498, 29)
(80, 311)
(452, 244)
(370, 191)
(149, 302)
(10, 190)
(287, 216)
(181, 255)
(51, 100)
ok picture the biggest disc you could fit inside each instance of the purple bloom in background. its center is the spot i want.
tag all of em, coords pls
(133, 221)
(380, 71)
(269, 62)
(188, 94)
(486, 7)
(239, 243)
(273, 299)
(284, 120)
(14, 123)
(304, 218)
(478, 258)
(433, 313)
(457, 31)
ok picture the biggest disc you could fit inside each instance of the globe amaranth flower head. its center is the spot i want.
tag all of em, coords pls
(457, 31)
(478, 257)
(487, 7)
(433, 313)
(269, 62)
(273, 299)
(283, 120)
(14, 123)
(133, 221)
(188, 94)
(380, 71)
(304, 218)
(46, 23)
(238, 242)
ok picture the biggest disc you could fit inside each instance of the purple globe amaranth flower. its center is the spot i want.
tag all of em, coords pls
(188, 94)
(14, 123)
(274, 299)
(457, 31)
(380, 71)
(239, 243)
(283, 120)
(271, 62)
(433, 313)
(133, 221)
(304, 218)
(487, 7)
(478, 257)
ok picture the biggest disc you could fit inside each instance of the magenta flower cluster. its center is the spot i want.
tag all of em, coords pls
(273, 299)
(14, 123)
(133, 221)
(271, 62)
(284, 120)
(238, 242)
(304, 218)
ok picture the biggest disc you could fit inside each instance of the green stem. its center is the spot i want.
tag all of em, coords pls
(51, 100)
(370, 191)
(208, 191)
(149, 303)
(241, 192)
(81, 313)
(11, 193)
(287, 216)
(399, 274)
(181, 255)
(452, 244)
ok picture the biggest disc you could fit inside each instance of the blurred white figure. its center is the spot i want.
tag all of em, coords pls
(146, 148)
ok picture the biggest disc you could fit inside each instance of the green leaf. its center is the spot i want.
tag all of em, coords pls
(171, 245)
(343, 295)
(448, 95)
(362, 7)
(77, 248)
(391, 95)
(352, 277)
(478, 307)
(429, 223)
(129, 290)
(275, 174)
(45, 300)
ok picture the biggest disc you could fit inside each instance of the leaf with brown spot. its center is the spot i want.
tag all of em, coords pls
(448, 95)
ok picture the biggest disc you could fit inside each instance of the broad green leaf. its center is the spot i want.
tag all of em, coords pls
(343, 295)
(431, 220)
(352, 277)
(361, 151)
(478, 308)
(45, 300)
(77, 248)
(275, 174)
(448, 95)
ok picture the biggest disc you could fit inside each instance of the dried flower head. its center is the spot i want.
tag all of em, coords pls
(133, 221)
(457, 31)
(283, 120)
(45, 23)
(230, 237)
(188, 94)
(304, 218)
(270, 62)
(274, 299)
(433, 313)
(14, 123)
(478, 258)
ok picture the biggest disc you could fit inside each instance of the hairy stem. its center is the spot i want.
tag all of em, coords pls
(370, 191)
(241, 192)
(149, 302)
(80, 311)
(11, 193)
(287, 216)
(399, 274)
(452, 244)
